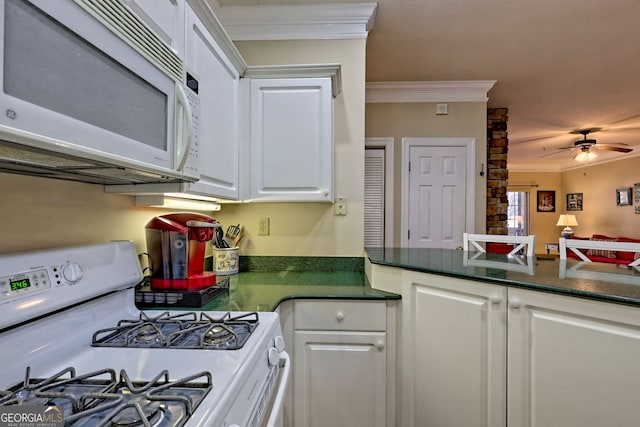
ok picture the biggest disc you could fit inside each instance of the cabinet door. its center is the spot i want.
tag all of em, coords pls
(339, 379)
(453, 353)
(165, 17)
(572, 362)
(219, 93)
(291, 140)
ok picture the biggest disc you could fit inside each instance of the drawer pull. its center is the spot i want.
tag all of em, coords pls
(339, 316)
(495, 299)
(516, 303)
(380, 345)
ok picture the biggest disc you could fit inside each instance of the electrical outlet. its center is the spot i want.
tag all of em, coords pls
(263, 226)
(340, 206)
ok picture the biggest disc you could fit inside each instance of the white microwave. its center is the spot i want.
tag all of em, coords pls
(89, 91)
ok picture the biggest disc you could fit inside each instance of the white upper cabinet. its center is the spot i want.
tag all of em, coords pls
(291, 140)
(219, 93)
(165, 17)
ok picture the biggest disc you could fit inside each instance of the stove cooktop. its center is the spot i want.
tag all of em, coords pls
(184, 330)
(103, 398)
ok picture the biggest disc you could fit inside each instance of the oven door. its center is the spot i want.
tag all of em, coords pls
(273, 416)
(260, 401)
(74, 85)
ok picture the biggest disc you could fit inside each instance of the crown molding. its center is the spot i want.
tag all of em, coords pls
(295, 22)
(332, 71)
(435, 91)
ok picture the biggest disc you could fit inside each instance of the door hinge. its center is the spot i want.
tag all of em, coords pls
(409, 166)
(409, 234)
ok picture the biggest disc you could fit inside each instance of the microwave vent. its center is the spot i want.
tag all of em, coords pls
(122, 21)
(24, 160)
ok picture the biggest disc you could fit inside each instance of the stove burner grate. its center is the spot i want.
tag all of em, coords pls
(100, 398)
(184, 331)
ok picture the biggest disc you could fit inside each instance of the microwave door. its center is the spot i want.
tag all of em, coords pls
(67, 77)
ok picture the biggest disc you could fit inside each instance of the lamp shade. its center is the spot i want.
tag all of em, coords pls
(567, 221)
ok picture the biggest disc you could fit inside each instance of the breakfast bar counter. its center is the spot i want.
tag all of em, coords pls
(607, 282)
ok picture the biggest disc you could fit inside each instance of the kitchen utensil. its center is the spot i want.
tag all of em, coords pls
(219, 241)
(233, 231)
(176, 246)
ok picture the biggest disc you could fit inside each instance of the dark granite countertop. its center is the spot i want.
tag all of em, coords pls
(265, 290)
(608, 282)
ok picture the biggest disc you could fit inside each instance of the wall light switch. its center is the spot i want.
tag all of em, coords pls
(340, 206)
(263, 226)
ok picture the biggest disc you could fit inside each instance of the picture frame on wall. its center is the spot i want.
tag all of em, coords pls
(636, 197)
(546, 201)
(574, 201)
(623, 196)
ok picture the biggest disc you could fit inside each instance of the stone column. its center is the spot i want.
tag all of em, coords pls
(497, 173)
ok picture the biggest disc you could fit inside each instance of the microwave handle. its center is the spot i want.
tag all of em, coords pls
(184, 139)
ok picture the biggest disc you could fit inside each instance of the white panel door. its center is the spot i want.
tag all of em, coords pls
(453, 360)
(572, 362)
(437, 194)
(340, 379)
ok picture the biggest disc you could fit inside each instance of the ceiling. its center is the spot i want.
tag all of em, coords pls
(560, 66)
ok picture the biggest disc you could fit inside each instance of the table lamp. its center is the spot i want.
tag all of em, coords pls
(567, 221)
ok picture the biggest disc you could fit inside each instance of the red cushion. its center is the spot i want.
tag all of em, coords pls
(606, 259)
(603, 237)
(627, 256)
(602, 252)
(499, 248)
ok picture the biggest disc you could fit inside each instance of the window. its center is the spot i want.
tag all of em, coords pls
(518, 213)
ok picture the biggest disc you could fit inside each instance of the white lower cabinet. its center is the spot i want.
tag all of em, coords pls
(343, 364)
(572, 362)
(478, 354)
(339, 379)
(453, 366)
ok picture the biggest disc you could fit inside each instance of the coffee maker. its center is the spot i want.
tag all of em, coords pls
(176, 245)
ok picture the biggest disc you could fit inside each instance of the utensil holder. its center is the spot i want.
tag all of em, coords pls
(226, 260)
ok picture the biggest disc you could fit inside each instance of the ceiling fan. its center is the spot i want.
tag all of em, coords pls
(586, 147)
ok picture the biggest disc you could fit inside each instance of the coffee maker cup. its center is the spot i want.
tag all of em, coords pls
(176, 244)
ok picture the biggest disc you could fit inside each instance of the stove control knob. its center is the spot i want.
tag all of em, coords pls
(278, 342)
(273, 356)
(72, 272)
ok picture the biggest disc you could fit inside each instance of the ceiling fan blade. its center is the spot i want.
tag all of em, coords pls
(553, 154)
(531, 139)
(619, 144)
(611, 148)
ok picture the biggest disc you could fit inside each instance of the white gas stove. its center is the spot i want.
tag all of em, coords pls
(72, 337)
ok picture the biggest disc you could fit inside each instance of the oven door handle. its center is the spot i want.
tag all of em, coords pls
(278, 401)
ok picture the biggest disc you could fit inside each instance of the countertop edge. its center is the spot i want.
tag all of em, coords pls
(617, 299)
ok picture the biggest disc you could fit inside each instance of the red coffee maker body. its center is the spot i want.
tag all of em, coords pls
(176, 244)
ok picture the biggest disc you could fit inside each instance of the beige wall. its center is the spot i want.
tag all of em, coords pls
(39, 213)
(465, 119)
(598, 184)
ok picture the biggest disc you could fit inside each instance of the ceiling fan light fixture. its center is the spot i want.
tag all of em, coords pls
(585, 156)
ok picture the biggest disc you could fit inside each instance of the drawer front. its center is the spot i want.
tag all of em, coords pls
(341, 315)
